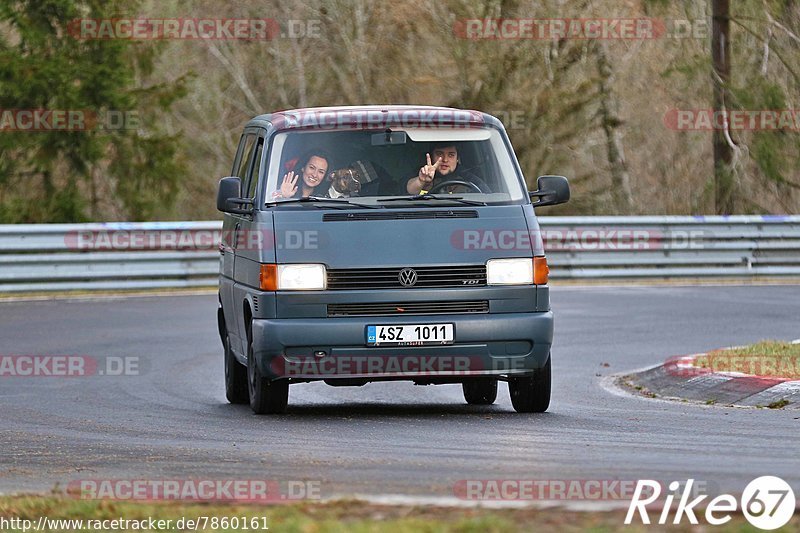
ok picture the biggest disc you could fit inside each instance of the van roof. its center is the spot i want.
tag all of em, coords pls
(374, 117)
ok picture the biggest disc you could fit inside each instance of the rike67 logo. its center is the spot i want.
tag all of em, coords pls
(768, 502)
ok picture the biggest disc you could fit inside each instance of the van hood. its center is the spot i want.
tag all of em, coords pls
(363, 238)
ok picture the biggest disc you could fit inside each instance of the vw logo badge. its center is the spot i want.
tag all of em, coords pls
(407, 277)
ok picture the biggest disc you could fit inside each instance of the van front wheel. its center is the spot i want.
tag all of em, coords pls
(266, 396)
(480, 391)
(531, 394)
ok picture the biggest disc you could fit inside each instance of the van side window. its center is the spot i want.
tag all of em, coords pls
(253, 178)
(238, 156)
(246, 154)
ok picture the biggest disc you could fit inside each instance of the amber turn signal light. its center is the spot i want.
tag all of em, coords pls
(541, 271)
(268, 279)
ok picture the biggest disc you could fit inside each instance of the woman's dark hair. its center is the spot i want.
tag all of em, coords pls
(306, 157)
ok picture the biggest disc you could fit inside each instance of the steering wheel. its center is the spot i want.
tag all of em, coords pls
(455, 182)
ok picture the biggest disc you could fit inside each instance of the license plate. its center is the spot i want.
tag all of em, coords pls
(410, 335)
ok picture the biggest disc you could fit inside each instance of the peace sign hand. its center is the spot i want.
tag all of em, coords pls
(428, 171)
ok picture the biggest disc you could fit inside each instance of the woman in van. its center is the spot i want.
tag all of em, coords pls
(308, 177)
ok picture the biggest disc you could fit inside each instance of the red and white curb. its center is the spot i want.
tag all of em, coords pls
(680, 379)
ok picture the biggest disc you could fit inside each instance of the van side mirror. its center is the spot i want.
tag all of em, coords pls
(229, 198)
(551, 190)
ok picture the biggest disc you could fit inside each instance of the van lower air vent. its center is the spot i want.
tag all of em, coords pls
(410, 308)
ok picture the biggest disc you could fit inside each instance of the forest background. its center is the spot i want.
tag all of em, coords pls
(598, 110)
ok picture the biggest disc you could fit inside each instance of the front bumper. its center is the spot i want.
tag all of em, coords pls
(485, 345)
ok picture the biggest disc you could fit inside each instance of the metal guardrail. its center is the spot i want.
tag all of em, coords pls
(53, 257)
(108, 256)
(672, 246)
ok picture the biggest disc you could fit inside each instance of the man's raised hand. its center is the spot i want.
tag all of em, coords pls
(428, 171)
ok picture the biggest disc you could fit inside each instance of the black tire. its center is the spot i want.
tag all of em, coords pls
(481, 391)
(266, 396)
(235, 377)
(531, 394)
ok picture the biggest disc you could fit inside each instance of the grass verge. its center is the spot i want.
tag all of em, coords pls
(766, 358)
(323, 517)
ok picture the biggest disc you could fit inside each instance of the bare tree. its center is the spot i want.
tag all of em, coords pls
(612, 124)
(723, 143)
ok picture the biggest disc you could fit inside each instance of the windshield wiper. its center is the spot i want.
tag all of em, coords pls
(415, 197)
(318, 199)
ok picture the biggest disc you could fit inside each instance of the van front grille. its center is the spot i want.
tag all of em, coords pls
(389, 278)
(408, 308)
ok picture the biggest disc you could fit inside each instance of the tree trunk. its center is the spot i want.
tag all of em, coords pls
(723, 151)
(611, 122)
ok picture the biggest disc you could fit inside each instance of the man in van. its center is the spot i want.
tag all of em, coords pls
(443, 169)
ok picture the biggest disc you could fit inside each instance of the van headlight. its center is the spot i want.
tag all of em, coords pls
(517, 271)
(301, 277)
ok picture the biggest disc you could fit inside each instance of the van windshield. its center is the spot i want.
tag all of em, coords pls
(383, 168)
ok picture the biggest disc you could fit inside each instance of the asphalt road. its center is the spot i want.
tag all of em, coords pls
(172, 420)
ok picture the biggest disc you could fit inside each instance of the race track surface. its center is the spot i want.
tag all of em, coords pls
(172, 420)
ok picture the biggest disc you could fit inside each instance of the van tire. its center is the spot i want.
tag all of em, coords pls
(481, 391)
(531, 394)
(266, 396)
(235, 377)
